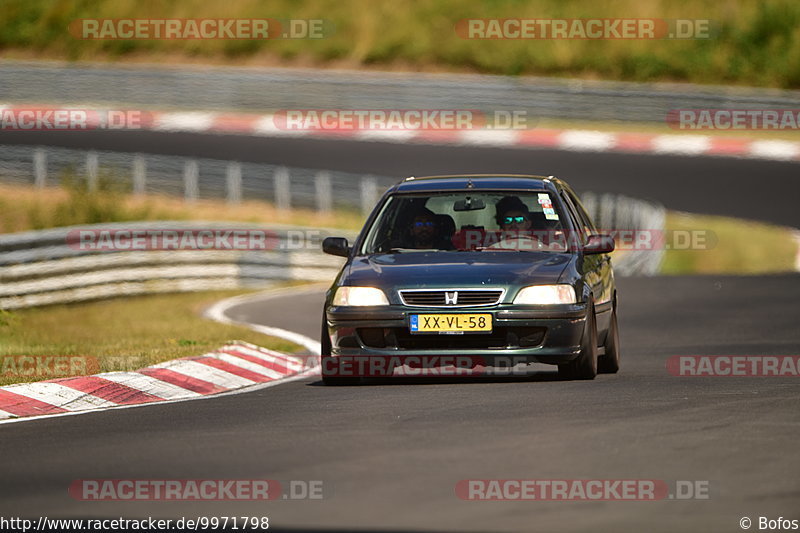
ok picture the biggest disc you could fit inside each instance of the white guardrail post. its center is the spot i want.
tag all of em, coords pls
(283, 193)
(369, 194)
(323, 192)
(92, 168)
(39, 168)
(191, 174)
(139, 174)
(233, 181)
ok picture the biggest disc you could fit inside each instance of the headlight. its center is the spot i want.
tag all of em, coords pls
(546, 294)
(359, 296)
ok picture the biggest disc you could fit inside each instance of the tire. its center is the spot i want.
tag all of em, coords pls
(585, 365)
(326, 359)
(609, 362)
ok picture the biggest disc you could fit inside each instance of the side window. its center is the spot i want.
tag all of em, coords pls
(587, 220)
(580, 223)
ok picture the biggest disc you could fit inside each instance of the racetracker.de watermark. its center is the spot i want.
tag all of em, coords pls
(433, 366)
(401, 119)
(47, 366)
(194, 489)
(72, 119)
(249, 239)
(203, 28)
(169, 239)
(734, 119)
(734, 365)
(581, 489)
(563, 240)
(413, 365)
(584, 28)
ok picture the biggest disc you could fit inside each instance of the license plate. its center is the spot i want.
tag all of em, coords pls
(451, 323)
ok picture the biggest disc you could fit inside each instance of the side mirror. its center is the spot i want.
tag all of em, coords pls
(336, 246)
(599, 244)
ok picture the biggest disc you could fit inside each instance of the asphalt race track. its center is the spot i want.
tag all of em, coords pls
(390, 454)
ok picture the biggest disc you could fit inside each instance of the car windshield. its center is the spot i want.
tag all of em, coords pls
(467, 221)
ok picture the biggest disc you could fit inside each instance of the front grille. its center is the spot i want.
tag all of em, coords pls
(500, 338)
(445, 297)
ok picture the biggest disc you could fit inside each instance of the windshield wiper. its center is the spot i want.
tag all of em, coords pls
(403, 250)
(482, 248)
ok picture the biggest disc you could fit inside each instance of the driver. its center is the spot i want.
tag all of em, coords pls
(514, 219)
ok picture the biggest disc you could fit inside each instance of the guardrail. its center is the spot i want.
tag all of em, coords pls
(194, 178)
(285, 187)
(251, 90)
(47, 267)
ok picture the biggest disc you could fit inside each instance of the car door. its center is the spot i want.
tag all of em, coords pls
(600, 266)
(595, 267)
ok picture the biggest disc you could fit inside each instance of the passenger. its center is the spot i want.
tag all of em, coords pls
(424, 231)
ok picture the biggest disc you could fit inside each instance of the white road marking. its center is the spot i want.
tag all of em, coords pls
(218, 312)
(59, 396)
(398, 136)
(489, 137)
(681, 144)
(266, 126)
(583, 140)
(191, 121)
(247, 365)
(282, 359)
(775, 149)
(206, 373)
(150, 385)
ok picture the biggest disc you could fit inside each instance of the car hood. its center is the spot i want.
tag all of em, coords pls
(456, 269)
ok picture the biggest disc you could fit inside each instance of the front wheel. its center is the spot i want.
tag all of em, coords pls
(608, 363)
(585, 365)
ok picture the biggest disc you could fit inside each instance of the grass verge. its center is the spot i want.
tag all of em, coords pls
(752, 43)
(116, 334)
(732, 246)
(27, 208)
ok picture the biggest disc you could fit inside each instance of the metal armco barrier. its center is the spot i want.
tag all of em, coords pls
(250, 90)
(194, 178)
(44, 267)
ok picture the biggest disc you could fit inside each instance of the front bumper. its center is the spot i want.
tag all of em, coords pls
(522, 334)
